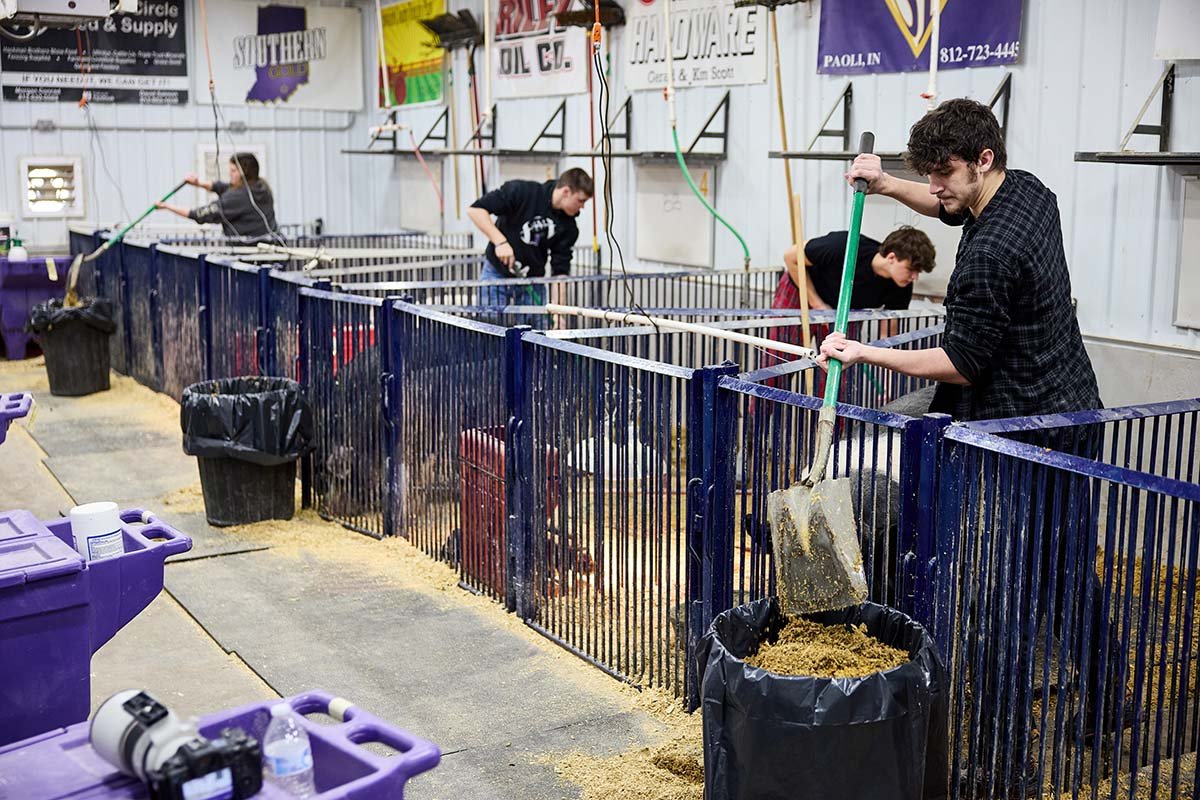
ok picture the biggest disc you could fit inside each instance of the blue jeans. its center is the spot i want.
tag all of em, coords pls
(519, 294)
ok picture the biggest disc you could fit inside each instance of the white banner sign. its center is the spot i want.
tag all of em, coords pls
(713, 44)
(540, 65)
(289, 56)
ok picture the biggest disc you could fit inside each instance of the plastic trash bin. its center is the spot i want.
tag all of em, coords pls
(24, 284)
(247, 434)
(56, 610)
(62, 764)
(75, 342)
(13, 406)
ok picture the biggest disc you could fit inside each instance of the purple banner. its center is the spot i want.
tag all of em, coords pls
(862, 36)
(280, 27)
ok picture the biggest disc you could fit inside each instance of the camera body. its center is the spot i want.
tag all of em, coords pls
(233, 760)
(145, 740)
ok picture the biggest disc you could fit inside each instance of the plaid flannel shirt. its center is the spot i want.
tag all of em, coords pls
(1010, 327)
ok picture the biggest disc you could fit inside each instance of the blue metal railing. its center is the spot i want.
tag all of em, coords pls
(342, 365)
(604, 440)
(448, 413)
(616, 500)
(1066, 579)
(592, 285)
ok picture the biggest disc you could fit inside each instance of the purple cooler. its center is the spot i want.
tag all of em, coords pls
(56, 609)
(24, 284)
(13, 406)
(62, 764)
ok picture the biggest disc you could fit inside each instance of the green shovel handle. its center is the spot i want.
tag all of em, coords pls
(121, 233)
(833, 381)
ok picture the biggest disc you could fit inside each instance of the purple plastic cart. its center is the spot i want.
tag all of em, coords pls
(13, 406)
(56, 610)
(24, 284)
(62, 764)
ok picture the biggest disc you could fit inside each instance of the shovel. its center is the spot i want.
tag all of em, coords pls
(72, 298)
(818, 560)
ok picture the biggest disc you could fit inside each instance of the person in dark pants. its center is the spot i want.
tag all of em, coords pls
(535, 223)
(1011, 347)
(244, 206)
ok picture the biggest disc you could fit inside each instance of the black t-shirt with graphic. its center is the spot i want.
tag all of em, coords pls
(828, 252)
(535, 229)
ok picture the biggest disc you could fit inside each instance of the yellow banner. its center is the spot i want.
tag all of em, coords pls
(414, 61)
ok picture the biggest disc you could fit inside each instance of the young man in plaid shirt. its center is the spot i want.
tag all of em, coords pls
(1012, 347)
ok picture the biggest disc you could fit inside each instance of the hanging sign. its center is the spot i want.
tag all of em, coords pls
(289, 56)
(414, 60)
(713, 43)
(126, 58)
(533, 58)
(864, 36)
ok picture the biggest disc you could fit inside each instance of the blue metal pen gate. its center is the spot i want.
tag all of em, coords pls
(449, 412)
(1066, 602)
(605, 564)
(342, 367)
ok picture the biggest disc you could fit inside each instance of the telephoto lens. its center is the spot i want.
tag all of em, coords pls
(145, 740)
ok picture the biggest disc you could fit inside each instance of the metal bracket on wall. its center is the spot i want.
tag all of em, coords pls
(1163, 155)
(438, 132)
(722, 135)
(560, 114)
(1166, 82)
(624, 116)
(845, 101)
(1003, 92)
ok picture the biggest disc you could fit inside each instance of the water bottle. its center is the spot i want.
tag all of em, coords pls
(287, 756)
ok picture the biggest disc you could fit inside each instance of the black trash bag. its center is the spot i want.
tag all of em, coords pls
(97, 313)
(774, 737)
(264, 421)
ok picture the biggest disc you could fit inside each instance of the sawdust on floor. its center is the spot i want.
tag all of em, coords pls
(126, 397)
(827, 651)
(670, 770)
(184, 500)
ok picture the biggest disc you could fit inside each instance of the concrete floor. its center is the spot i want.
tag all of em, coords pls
(244, 620)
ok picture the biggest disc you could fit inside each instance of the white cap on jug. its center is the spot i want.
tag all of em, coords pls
(92, 520)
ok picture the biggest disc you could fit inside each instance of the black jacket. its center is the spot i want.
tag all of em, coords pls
(532, 226)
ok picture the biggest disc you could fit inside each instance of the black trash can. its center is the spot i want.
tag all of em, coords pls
(776, 737)
(75, 343)
(247, 434)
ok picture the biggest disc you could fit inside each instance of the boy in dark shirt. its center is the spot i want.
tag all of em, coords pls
(535, 222)
(883, 276)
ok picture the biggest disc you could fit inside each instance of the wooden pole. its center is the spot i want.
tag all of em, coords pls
(783, 137)
(687, 327)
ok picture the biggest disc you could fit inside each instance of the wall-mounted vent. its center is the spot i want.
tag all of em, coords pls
(52, 186)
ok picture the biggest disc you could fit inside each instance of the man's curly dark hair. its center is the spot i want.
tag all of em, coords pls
(959, 127)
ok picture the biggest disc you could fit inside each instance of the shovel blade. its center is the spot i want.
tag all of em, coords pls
(818, 560)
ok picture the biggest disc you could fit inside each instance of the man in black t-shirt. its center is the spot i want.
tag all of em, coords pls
(883, 275)
(535, 222)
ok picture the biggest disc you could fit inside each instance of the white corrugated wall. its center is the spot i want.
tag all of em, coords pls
(1084, 71)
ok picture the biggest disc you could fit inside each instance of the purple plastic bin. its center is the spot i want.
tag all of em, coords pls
(62, 764)
(13, 406)
(24, 284)
(56, 610)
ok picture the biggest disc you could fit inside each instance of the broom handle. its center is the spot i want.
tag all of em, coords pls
(121, 233)
(866, 145)
(689, 327)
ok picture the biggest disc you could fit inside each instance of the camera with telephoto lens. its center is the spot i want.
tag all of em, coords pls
(145, 740)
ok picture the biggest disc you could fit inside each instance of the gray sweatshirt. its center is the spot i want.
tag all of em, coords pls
(234, 211)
